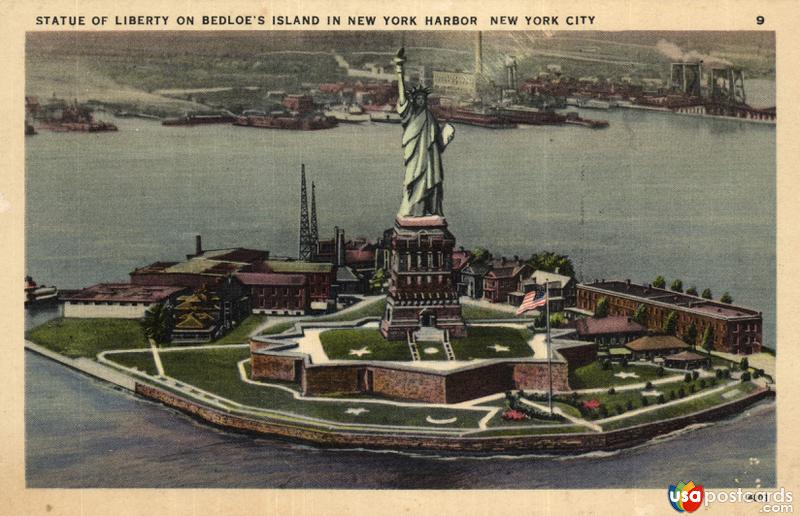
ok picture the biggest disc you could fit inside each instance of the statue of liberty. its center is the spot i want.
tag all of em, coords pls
(423, 144)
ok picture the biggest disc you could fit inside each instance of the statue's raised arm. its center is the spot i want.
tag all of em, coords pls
(399, 60)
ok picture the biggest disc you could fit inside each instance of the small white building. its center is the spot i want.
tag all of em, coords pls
(117, 300)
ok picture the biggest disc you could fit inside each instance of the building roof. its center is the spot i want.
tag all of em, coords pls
(297, 266)
(613, 324)
(345, 274)
(271, 279)
(541, 277)
(686, 356)
(124, 292)
(674, 299)
(656, 343)
(476, 269)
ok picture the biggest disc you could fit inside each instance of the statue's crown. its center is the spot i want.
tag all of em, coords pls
(419, 89)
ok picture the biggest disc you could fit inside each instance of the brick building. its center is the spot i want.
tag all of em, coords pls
(611, 331)
(320, 276)
(503, 279)
(276, 294)
(735, 329)
(118, 300)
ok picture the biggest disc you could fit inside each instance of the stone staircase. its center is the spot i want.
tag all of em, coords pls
(412, 346)
(429, 334)
(448, 349)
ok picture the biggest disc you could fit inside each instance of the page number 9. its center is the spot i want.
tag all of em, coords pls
(760, 20)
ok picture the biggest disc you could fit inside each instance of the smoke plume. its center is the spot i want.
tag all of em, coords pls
(674, 52)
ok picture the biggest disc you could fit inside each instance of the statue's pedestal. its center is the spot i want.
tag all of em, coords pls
(421, 290)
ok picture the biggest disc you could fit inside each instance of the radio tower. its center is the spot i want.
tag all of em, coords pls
(314, 231)
(305, 232)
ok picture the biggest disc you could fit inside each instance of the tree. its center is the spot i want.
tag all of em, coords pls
(726, 298)
(692, 291)
(377, 280)
(158, 322)
(671, 323)
(480, 255)
(707, 294)
(677, 286)
(691, 335)
(601, 310)
(552, 262)
(744, 364)
(708, 339)
(659, 282)
(640, 315)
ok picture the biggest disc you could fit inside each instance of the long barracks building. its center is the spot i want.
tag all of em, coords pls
(735, 329)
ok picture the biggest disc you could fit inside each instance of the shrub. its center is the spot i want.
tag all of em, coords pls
(692, 388)
(648, 386)
(695, 375)
(612, 391)
(719, 374)
(756, 373)
(671, 395)
(746, 376)
(744, 364)
(687, 377)
(681, 392)
(629, 405)
(702, 383)
(712, 382)
(661, 399)
(727, 373)
(603, 411)
(660, 371)
(644, 401)
(619, 409)
(606, 364)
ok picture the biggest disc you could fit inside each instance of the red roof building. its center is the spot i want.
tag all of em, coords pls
(609, 331)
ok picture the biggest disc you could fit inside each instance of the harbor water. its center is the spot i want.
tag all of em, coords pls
(683, 197)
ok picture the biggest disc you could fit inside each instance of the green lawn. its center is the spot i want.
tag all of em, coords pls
(88, 337)
(241, 333)
(472, 312)
(593, 375)
(215, 370)
(479, 338)
(338, 343)
(439, 355)
(680, 409)
(141, 360)
(373, 308)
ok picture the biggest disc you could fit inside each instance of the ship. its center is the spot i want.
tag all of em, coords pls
(191, 119)
(572, 118)
(61, 117)
(472, 116)
(284, 120)
(39, 294)
(529, 116)
(352, 114)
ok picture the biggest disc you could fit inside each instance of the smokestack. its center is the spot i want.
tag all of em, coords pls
(340, 250)
(478, 53)
(198, 245)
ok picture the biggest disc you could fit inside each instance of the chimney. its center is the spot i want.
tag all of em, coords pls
(198, 245)
(340, 249)
(502, 260)
(628, 283)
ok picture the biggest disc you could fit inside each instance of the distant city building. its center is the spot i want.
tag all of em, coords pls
(118, 300)
(735, 329)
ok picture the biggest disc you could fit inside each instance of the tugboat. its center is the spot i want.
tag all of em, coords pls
(39, 295)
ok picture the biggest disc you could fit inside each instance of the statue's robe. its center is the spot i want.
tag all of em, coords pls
(422, 148)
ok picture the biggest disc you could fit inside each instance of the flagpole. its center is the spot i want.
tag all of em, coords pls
(549, 352)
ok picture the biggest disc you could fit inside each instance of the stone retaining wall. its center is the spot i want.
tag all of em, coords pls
(572, 443)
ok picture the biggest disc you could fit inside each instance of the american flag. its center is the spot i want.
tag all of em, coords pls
(531, 301)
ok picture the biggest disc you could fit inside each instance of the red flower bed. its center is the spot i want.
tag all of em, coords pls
(591, 404)
(514, 415)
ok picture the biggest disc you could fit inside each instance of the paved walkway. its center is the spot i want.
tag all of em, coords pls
(87, 366)
(557, 410)
(156, 357)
